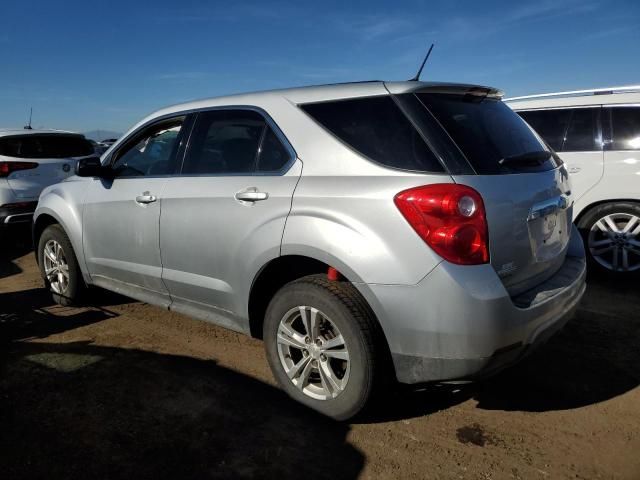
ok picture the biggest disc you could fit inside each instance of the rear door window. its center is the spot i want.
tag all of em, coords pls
(582, 134)
(551, 125)
(273, 156)
(487, 131)
(625, 123)
(45, 146)
(224, 142)
(376, 128)
(567, 129)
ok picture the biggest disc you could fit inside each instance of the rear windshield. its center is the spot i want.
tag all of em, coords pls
(487, 131)
(45, 146)
(377, 129)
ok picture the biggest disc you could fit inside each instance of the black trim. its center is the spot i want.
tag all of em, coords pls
(434, 134)
(185, 139)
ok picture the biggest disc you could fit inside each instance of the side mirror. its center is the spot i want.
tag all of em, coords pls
(90, 167)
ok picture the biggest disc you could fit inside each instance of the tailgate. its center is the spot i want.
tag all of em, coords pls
(524, 186)
(529, 219)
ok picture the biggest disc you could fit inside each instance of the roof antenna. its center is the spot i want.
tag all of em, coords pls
(417, 77)
(28, 127)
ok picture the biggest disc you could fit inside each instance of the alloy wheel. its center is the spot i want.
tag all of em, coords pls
(614, 242)
(313, 353)
(56, 267)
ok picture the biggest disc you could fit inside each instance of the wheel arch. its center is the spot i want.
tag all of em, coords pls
(589, 208)
(68, 219)
(287, 268)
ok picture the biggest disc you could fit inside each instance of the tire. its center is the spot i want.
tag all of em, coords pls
(341, 310)
(72, 288)
(605, 250)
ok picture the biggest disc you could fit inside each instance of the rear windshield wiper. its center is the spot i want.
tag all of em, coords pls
(528, 157)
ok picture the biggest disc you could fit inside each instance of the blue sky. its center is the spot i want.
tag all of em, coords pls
(103, 65)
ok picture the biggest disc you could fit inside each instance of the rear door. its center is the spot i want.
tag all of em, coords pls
(224, 216)
(576, 135)
(55, 154)
(622, 155)
(526, 194)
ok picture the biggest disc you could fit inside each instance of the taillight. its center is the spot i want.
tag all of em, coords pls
(7, 168)
(450, 218)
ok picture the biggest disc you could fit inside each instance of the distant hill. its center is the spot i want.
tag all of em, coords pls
(99, 135)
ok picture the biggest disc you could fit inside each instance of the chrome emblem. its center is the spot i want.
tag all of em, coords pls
(66, 167)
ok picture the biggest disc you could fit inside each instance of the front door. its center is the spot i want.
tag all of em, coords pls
(121, 215)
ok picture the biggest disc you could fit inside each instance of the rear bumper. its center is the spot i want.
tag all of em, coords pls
(17, 213)
(459, 322)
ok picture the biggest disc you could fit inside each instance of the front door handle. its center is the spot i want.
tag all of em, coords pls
(251, 195)
(145, 198)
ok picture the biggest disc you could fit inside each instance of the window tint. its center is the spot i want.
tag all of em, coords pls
(486, 131)
(378, 129)
(45, 146)
(566, 130)
(551, 125)
(582, 134)
(273, 156)
(153, 152)
(625, 122)
(224, 142)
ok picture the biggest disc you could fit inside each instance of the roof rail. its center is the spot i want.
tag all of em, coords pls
(578, 93)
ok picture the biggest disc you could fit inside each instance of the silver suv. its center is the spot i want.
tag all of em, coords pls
(367, 232)
(597, 133)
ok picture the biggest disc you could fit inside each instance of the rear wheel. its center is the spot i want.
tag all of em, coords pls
(59, 267)
(322, 345)
(611, 234)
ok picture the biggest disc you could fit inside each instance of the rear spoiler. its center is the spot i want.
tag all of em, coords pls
(444, 88)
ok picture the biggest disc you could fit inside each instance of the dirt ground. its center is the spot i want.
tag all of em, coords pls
(126, 390)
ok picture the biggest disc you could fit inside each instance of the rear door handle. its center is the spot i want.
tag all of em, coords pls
(145, 198)
(251, 195)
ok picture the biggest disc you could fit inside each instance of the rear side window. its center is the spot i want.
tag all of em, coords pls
(486, 131)
(550, 125)
(625, 123)
(376, 128)
(224, 142)
(582, 134)
(273, 156)
(566, 130)
(45, 146)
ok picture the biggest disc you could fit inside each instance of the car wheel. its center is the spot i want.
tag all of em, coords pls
(611, 234)
(59, 267)
(323, 345)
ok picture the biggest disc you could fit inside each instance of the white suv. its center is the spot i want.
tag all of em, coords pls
(31, 160)
(597, 134)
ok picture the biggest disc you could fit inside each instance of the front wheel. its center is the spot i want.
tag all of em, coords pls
(611, 234)
(59, 267)
(322, 345)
